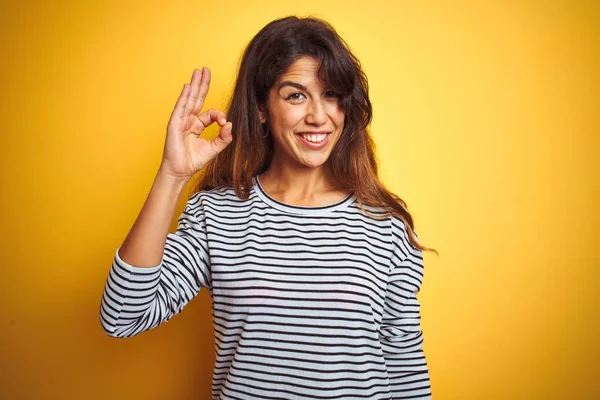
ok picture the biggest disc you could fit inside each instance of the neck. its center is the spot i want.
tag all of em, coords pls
(297, 184)
(297, 180)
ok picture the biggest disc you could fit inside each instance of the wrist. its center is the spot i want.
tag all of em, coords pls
(171, 181)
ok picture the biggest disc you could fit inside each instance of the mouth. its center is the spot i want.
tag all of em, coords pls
(314, 139)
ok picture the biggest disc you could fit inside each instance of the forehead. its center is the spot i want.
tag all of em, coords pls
(304, 70)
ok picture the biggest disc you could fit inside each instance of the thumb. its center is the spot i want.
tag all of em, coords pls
(225, 137)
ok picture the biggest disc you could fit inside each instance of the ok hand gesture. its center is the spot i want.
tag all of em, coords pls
(185, 151)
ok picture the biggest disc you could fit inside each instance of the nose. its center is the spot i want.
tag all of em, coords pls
(316, 113)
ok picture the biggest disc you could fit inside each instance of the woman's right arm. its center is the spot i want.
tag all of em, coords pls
(154, 273)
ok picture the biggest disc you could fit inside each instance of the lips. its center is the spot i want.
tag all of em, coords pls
(313, 137)
(314, 140)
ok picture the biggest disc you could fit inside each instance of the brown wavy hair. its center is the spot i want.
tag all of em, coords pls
(352, 162)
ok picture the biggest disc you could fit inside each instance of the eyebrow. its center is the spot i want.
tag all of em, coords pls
(290, 83)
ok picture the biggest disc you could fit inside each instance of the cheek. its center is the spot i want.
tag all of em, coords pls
(286, 115)
(289, 117)
(337, 116)
(341, 119)
(339, 122)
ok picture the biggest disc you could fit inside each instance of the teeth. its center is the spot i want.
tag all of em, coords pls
(314, 138)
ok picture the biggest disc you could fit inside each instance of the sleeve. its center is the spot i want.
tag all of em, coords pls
(137, 299)
(400, 334)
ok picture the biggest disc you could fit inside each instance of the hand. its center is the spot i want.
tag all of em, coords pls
(185, 151)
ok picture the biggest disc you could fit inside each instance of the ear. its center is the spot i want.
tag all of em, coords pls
(262, 115)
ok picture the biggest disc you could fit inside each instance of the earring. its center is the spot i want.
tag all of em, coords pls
(265, 134)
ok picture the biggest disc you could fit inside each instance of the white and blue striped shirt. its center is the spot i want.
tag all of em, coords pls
(308, 302)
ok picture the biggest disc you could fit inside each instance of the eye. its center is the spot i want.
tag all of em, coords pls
(296, 96)
(332, 95)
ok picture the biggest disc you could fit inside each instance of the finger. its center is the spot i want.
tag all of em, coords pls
(195, 84)
(212, 115)
(181, 102)
(225, 137)
(202, 90)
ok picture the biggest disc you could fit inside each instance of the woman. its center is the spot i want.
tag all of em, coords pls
(313, 266)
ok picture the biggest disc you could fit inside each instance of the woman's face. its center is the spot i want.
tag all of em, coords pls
(304, 116)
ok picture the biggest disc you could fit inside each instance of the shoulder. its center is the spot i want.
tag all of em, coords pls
(219, 201)
(217, 195)
(403, 248)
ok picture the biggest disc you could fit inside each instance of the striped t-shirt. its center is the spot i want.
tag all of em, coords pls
(308, 302)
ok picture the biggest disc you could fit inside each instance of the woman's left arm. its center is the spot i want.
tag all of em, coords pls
(400, 334)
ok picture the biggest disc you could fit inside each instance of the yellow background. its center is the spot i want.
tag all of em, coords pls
(486, 120)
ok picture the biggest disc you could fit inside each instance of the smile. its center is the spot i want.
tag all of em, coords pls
(313, 141)
(314, 137)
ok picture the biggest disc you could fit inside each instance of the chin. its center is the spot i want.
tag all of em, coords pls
(314, 162)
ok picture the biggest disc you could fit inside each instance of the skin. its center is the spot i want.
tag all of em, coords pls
(297, 174)
(184, 154)
(299, 102)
